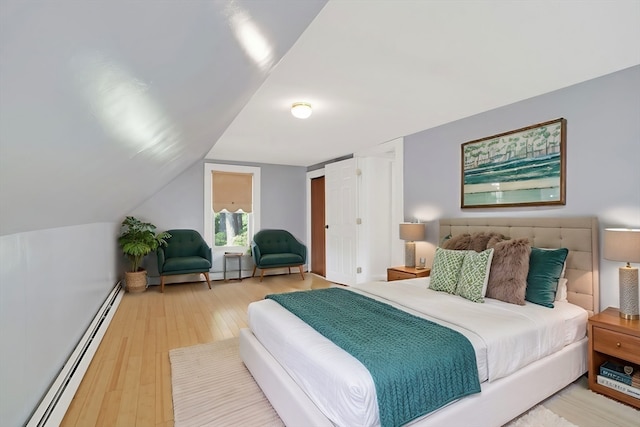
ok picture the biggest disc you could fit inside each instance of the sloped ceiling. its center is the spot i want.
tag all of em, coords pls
(103, 103)
(378, 70)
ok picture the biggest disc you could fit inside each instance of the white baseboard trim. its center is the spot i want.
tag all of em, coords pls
(55, 403)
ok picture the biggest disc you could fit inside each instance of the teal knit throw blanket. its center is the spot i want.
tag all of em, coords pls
(417, 366)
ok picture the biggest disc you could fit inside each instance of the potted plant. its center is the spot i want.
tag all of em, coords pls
(138, 239)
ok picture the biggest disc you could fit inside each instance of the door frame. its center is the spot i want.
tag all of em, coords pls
(310, 175)
(395, 146)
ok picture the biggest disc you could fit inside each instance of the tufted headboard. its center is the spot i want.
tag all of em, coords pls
(578, 234)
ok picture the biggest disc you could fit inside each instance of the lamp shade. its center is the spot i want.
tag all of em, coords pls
(622, 244)
(412, 231)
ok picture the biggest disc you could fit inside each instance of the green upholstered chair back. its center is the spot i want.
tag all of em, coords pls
(185, 243)
(277, 242)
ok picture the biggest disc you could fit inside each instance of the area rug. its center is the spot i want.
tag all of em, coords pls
(540, 416)
(212, 387)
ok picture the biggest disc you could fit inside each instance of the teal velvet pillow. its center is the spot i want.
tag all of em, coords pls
(545, 269)
(445, 270)
(474, 275)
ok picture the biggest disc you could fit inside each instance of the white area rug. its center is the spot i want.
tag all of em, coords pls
(540, 416)
(212, 387)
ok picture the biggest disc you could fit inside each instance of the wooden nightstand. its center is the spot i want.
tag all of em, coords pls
(612, 338)
(399, 273)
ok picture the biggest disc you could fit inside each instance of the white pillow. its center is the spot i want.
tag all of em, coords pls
(561, 292)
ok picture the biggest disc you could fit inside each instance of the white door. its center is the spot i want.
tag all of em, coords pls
(340, 213)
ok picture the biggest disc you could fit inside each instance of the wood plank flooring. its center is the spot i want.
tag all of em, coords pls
(129, 380)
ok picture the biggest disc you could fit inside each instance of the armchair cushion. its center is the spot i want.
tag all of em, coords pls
(186, 263)
(280, 260)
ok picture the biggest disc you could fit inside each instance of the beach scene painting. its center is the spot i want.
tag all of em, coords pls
(524, 167)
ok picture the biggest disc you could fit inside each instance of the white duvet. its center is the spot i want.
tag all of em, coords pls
(505, 338)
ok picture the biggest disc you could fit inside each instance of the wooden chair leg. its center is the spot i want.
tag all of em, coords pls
(254, 271)
(206, 276)
(161, 284)
(301, 272)
(261, 274)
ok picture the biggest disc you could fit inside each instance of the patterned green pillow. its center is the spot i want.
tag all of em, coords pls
(474, 275)
(446, 270)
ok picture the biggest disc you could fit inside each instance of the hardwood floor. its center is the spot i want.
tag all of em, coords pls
(129, 380)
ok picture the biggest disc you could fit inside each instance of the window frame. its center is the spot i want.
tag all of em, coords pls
(254, 218)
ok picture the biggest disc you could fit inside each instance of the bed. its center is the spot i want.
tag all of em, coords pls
(275, 347)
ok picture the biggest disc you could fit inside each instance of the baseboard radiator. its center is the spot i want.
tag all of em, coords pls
(55, 403)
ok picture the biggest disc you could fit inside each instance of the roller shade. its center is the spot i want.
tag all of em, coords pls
(231, 191)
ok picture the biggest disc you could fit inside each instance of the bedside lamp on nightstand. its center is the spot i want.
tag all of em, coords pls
(410, 232)
(623, 244)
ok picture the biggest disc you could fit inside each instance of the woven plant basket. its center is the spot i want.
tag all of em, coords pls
(136, 281)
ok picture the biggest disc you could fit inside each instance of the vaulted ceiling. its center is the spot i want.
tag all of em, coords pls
(103, 103)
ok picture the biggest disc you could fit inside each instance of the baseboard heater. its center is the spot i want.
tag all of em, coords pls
(55, 403)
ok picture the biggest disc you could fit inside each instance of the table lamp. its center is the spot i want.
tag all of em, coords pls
(623, 244)
(410, 232)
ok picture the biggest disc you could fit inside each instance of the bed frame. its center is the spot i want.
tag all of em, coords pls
(501, 400)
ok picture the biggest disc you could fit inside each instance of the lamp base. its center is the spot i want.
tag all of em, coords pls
(628, 277)
(410, 254)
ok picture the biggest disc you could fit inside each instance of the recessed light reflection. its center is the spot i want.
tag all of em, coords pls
(124, 106)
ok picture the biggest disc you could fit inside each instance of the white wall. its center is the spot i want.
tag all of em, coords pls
(603, 155)
(52, 283)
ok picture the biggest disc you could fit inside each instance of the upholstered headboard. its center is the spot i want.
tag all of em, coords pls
(578, 234)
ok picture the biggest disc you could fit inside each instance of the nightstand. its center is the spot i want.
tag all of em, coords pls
(612, 338)
(399, 273)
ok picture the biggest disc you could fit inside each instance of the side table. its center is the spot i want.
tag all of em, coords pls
(237, 255)
(402, 272)
(616, 339)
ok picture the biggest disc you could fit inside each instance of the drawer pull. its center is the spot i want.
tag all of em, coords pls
(618, 345)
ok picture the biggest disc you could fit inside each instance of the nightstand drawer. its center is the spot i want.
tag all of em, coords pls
(616, 344)
(399, 275)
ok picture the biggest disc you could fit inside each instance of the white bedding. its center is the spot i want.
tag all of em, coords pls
(505, 337)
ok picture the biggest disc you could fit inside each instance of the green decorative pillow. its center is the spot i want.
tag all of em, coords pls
(474, 275)
(445, 270)
(545, 269)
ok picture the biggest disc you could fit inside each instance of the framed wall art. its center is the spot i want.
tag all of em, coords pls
(523, 167)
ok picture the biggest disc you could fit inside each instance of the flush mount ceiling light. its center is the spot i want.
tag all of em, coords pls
(301, 110)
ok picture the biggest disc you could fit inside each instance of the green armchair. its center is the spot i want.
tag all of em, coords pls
(277, 249)
(186, 252)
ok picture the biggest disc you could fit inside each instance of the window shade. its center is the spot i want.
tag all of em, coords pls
(231, 191)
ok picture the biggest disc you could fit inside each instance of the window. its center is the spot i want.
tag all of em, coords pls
(231, 205)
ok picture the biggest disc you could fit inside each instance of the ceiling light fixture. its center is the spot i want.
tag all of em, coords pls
(301, 110)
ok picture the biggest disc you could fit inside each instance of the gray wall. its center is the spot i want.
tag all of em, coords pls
(52, 283)
(181, 203)
(603, 151)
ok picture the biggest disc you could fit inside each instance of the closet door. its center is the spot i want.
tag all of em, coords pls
(340, 187)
